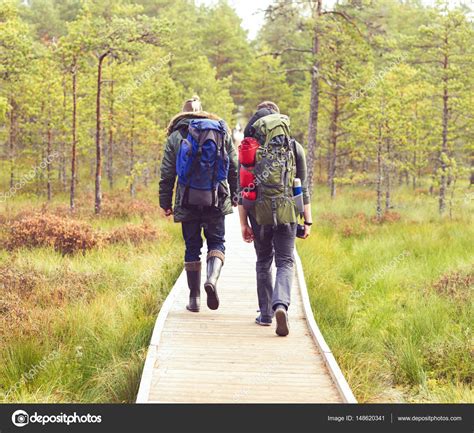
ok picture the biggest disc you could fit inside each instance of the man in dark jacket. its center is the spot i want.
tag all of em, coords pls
(195, 220)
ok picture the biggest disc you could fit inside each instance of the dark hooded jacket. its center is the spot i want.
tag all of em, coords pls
(249, 130)
(177, 130)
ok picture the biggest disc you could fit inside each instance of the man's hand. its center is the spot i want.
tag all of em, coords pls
(307, 231)
(168, 212)
(247, 233)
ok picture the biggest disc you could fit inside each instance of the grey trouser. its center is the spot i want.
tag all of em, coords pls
(278, 242)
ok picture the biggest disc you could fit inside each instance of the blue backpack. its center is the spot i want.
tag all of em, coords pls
(202, 162)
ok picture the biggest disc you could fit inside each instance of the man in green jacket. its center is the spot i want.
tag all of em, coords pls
(195, 220)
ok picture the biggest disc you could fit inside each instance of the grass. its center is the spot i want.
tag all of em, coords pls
(394, 300)
(76, 327)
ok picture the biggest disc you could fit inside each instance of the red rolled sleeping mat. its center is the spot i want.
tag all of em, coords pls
(249, 195)
(247, 178)
(247, 151)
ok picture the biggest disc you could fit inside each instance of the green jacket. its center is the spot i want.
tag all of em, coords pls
(177, 130)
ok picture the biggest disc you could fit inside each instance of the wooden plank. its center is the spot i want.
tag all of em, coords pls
(223, 356)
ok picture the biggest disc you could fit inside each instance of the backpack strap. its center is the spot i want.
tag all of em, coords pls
(217, 138)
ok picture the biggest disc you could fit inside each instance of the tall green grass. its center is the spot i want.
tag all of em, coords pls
(396, 336)
(93, 348)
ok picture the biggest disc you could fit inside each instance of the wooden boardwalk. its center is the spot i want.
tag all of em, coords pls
(224, 357)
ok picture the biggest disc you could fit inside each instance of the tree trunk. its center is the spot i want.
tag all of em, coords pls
(414, 170)
(48, 158)
(110, 151)
(314, 98)
(12, 141)
(62, 158)
(334, 131)
(132, 157)
(72, 196)
(387, 169)
(98, 149)
(444, 142)
(328, 163)
(146, 176)
(388, 185)
(379, 175)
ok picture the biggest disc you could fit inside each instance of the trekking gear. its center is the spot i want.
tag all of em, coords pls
(247, 153)
(193, 274)
(249, 130)
(202, 162)
(249, 195)
(300, 231)
(215, 261)
(247, 178)
(275, 171)
(281, 316)
(298, 195)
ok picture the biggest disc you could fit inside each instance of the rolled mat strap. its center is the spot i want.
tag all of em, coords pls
(216, 253)
(192, 266)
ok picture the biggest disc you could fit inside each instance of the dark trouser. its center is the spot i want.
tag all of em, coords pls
(214, 231)
(278, 242)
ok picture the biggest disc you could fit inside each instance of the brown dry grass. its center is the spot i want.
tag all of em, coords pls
(28, 296)
(69, 235)
(133, 233)
(358, 224)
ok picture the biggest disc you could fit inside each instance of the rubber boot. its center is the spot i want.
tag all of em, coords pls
(193, 273)
(215, 261)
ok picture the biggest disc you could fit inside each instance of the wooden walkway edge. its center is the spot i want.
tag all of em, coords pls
(223, 357)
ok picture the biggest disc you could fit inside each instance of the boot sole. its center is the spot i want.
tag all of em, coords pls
(282, 323)
(192, 310)
(212, 298)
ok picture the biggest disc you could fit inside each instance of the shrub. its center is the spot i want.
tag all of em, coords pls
(387, 217)
(21, 281)
(132, 233)
(63, 234)
(456, 285)
(450, 359)
(356, 225)
(13, 313)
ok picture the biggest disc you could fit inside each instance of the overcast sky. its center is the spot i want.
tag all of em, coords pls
(251, 11)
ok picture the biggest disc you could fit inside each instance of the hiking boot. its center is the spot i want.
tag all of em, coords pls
(193, 274)
(263, 320)
(215, 261)
(281, 316)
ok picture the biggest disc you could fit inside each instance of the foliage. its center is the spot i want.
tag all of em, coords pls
(395, 304)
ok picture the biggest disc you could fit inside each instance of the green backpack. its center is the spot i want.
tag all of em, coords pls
(275, 171)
